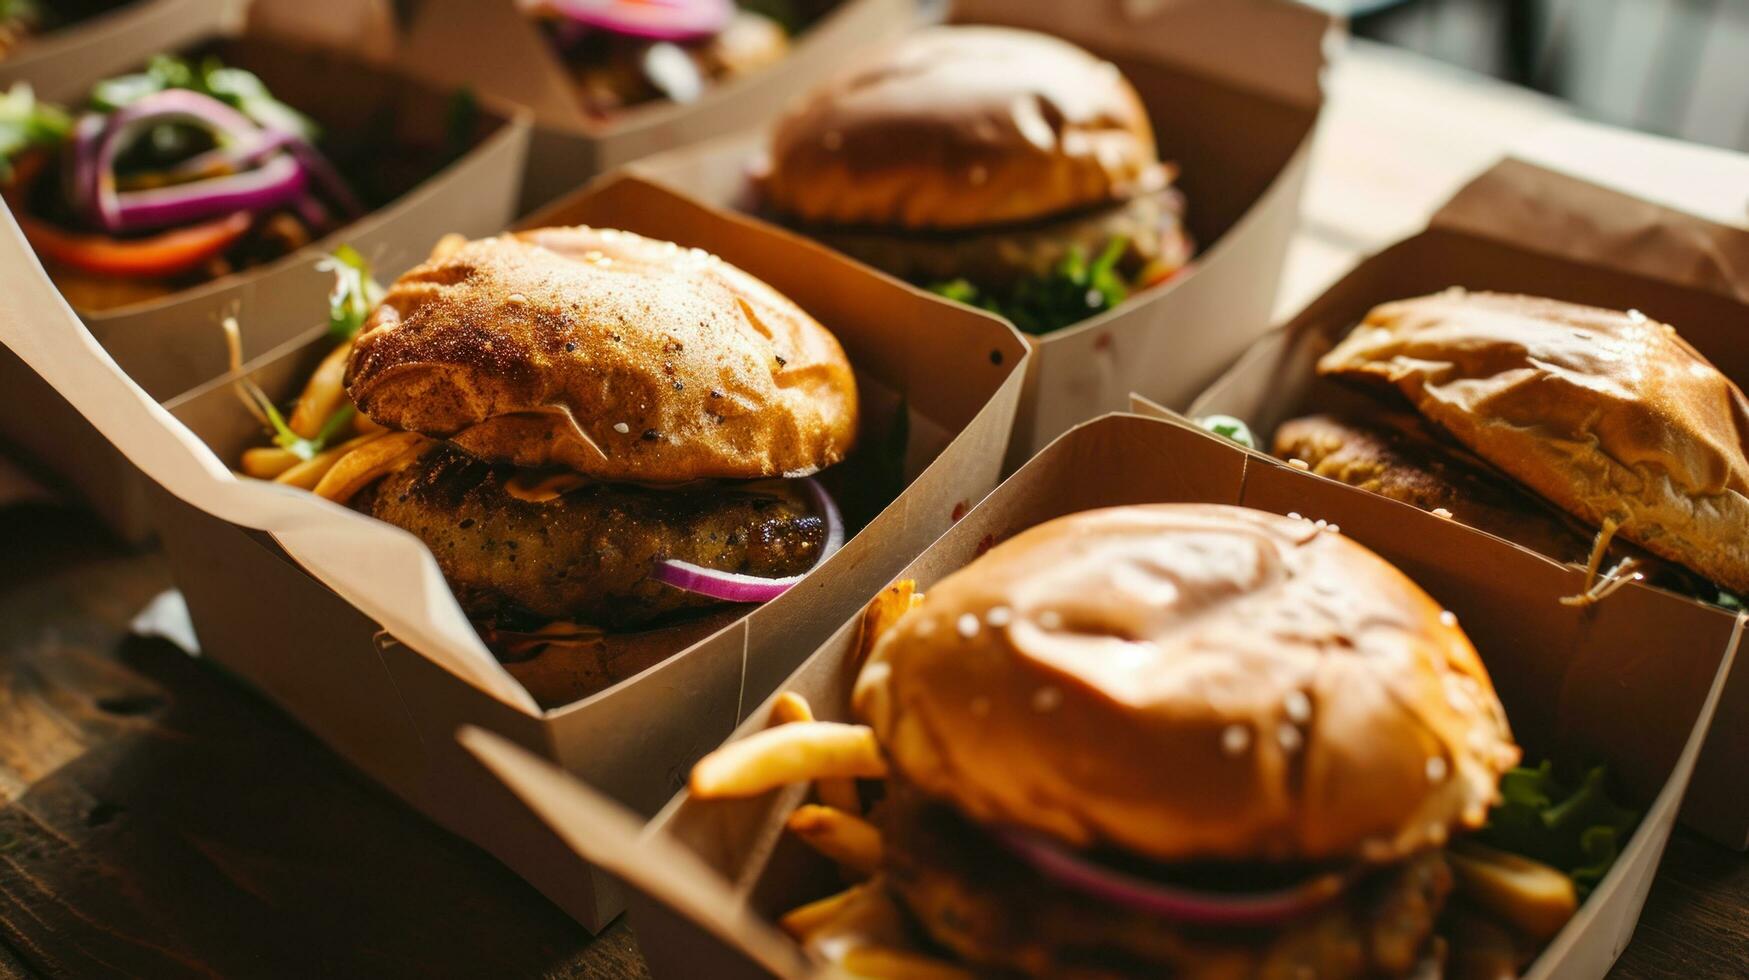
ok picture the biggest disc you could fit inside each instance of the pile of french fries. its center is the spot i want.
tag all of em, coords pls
(859, 929)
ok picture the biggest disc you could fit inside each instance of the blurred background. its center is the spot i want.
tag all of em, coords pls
(1675, 67)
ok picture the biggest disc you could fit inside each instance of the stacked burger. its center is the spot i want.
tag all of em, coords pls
(1004, 168)
(601, 437)
(1592, 436)
(1165, 740)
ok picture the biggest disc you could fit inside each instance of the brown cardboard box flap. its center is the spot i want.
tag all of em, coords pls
(61, 64)
(1256, 44)
(1533, 207)
(611, 837)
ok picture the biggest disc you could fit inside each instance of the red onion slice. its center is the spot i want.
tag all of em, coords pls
(127, 124)
(735, 587)
(271, 185)
(656, 20)
(1231, 909)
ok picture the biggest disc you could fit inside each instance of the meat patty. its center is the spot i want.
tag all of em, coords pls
(587, 554)
(995, 258)
(973, 897)
(1396, 457)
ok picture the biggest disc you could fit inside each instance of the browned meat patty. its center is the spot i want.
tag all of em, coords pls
(1396, 457)
(586, 555)
(997, 257)
(974, 898)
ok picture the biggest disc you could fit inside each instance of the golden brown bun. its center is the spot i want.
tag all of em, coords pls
(1192, 682)
(1393, 455)
(614, 355)
(1608, 415)
(957, 127)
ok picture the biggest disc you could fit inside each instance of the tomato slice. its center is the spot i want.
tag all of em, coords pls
(166, 254)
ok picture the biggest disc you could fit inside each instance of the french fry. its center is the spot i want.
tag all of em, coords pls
(837, 793)
(883, 611)
(790, 707)
(793, 753)
(323, 394)
(801, 921)
(307, 474)
(267, 462)
(891, 963)
(379, 456)
(1530, 895)
(847, 839)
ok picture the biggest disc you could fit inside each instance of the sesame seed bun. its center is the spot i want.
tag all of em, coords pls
(1608, 415)
(961, 127)
(614, 355)
(1188, 683)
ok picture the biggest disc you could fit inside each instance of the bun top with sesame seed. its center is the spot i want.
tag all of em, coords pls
(1191, 683)
(603, 352)
(964, 127)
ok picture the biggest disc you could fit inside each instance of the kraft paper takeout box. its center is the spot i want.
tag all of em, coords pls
(1232, 87)
(113, 41)
(444, 42)
(174, 344)
(1527, 229)
(392, 704)
(1631, 684)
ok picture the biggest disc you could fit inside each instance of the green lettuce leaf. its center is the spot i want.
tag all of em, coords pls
(1073, 291)
(1567, 823)
(26, 122)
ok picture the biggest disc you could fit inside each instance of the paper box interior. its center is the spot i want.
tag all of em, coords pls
(1630, 684)
(112, 39)
(1509, 231)
(1199, 66)
(443, 180)
(392, 702)
(571, 145)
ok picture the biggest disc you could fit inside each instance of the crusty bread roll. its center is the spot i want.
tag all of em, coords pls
(614, 355)
(959, 127)
(1611, 416)
(1192, 682)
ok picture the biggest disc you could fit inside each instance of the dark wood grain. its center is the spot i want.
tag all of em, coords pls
(158, 819)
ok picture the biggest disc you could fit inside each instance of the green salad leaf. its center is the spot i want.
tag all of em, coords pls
(242, 90)
(26, 122)
(1073, 291)
(355, 292)
(1229, 427)
(1566, 822)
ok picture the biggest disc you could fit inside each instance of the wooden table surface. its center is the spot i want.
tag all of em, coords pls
(159, 819)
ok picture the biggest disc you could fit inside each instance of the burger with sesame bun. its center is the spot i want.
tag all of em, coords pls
(601, 437)
(1003, 168)
(1188, 740)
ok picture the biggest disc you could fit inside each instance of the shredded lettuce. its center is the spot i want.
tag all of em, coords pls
(1567, 823)
(1073, 291)
(26, 122)
(242, 90)
(354, 295)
